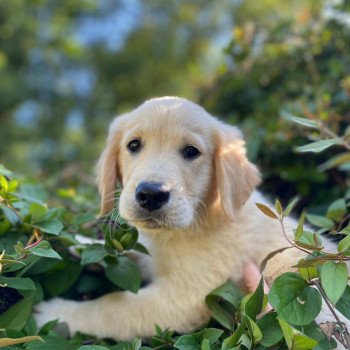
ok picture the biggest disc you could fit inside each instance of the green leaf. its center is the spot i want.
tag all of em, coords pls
(293, 299)
(210, 334)
(295, 339)
(125, 274)
(52, 342)
(317, 146)
(44, 249)
(53, 226)
(253, 328)
(229, 293)
(334, 278)
(92, 347)
(4, 171)
(278, 207)
(335, 161)
(12, 185)
(290, 206)
(10, 215)
(8, 341)
(307, 268)
(345, 230)
(320, 221)
(344, 244)
(93, 253)
(187, 342)
(266, 210)
(306, 122)
(205, 345)
(336, 210)
(232, 340)
(17, 283)
(252, 304)
(343, 305)
(17, 315)
(37, 211)
(3, 183)
(59, 279)
(270, 328)
(310, 241)
(300, 229)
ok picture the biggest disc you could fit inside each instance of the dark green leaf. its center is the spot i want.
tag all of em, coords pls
(270, 328)
(93, 253)
(229, 293)
(17, 315)
(343, 305)
(125, 274)
(293, 299)
(53, 226)
(44, 249)
(51, 343)
(187, 342)
(17, 283)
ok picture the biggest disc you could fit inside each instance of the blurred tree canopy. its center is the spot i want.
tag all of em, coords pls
(281, 62)
(67, 67)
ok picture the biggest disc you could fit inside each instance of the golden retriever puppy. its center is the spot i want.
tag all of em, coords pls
(189, 189)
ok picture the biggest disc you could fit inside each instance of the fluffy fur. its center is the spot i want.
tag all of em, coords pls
(204, 236)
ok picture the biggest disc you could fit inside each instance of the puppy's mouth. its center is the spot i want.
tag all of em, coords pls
(148, 223)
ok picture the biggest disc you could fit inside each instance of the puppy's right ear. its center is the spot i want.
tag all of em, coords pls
(108, 173)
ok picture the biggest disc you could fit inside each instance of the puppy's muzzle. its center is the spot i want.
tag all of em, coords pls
(152, 195)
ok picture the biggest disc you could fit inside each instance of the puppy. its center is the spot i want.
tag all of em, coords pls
(189, 188)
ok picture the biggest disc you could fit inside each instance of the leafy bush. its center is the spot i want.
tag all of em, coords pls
(41, 258)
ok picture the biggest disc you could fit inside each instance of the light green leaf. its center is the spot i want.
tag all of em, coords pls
(344, 244)
(320, 221)
(336, 210)
(3, 183)
(293, 299)
(290, 206)
(125, 274)
(317, 146)
(306, 122)
(334, 278)
(92, 347)
(9, 341)
(295, 339)
(254, 329)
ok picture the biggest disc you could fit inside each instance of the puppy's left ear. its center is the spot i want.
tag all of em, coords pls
(107, 168)
(236, 176)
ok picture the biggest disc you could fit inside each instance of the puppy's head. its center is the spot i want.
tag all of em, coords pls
(173, 161)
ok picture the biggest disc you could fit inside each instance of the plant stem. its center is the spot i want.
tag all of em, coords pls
(344, 333)
(304, 250)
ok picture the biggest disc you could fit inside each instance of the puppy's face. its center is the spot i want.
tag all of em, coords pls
(166, 156)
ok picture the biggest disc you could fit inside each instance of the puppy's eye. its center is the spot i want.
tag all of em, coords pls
(134, 145)
(190, 152)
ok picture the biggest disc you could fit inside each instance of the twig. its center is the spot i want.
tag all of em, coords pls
(345, 333)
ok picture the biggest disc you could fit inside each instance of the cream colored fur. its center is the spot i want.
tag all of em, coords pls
(209, 229)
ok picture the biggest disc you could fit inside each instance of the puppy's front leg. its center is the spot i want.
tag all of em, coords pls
(124, 315)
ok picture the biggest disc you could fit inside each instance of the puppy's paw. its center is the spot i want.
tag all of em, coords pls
(54, 309)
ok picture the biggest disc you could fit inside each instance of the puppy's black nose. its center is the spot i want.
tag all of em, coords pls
(151, 195)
